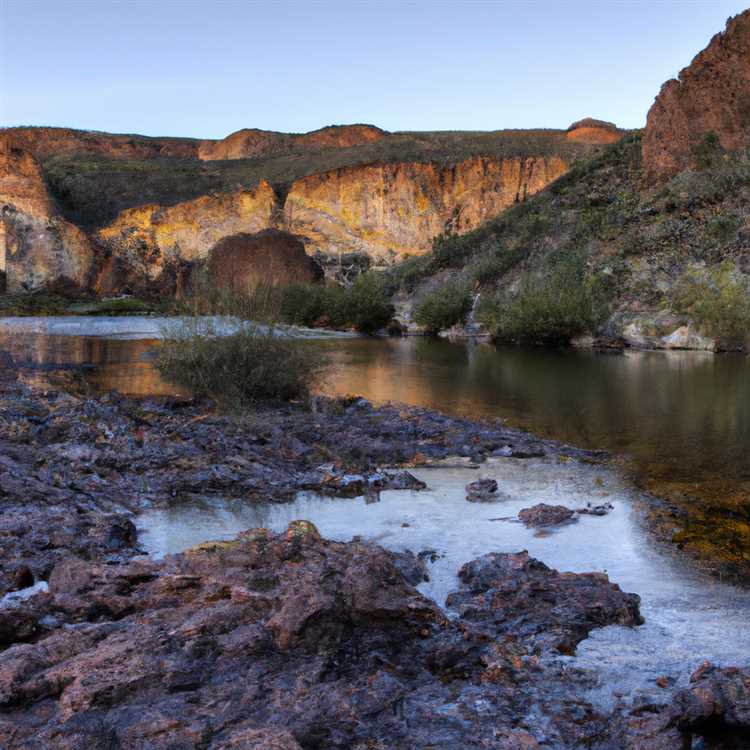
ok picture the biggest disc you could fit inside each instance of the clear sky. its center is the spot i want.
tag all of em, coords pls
(208, 67)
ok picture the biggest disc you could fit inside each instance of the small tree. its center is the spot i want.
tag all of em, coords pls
(443, 307)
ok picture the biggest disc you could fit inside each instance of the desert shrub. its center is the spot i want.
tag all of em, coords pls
(238, 370)
(364, 305)
(407, 274)
(723, 229)
(443, 307)
(709, 151)
(489, 268)
(303, 304)
(259, 302)
(550, 309)
(717, 300)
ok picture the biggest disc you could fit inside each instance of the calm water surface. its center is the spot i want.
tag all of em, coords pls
(683, 416)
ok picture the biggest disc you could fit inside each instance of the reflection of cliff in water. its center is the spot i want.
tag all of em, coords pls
(681, 416)
(104, 364)
(682, 413)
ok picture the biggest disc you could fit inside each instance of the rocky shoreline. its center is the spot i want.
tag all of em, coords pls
(287, 640)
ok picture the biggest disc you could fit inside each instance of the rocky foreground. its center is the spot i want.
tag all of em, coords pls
(287, 641)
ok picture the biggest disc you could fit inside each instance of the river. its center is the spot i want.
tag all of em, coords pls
(681, 415)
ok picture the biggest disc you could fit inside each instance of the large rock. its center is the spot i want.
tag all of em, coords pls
(278, 641)
(715, 705)
(38, 248)
(710, 96)
(515, 595)
(243, 261)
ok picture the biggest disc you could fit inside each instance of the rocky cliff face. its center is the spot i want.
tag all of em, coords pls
(387, 210)
(146, 246)
(381, 210)
(710, 97)
(36, 244)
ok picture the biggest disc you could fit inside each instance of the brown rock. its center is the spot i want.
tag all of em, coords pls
(594, 131)
(243, 261)
(38, 248)
(519, 596)
(250, 142)
(710, 96)
(545, 515)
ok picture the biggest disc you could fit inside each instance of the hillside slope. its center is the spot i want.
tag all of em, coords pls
(668, 257)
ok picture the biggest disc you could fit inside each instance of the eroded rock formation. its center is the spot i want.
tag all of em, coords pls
(146, 247)
(37, 246)
(243, 261)
(710, 98)
(395, 209)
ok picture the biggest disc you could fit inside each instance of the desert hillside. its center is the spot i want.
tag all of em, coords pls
(156, 206)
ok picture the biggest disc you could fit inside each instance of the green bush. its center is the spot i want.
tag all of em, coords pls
(303, 304)
(723, 229)
(240, 369)
(717, 300)
(443, 307)
(364, 305)
(549, 309)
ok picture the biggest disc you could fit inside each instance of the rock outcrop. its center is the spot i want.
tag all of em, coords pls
(271, 257)
(250, 142)
(396, 209)
(146, 247)
(590, 130)
(43, 142)
(709, 100)
(38, 247)
(286, 641)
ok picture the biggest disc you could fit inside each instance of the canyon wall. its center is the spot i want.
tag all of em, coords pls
(381, 210)
(389, 210)
(391, 196)
(36, 244)
(711, 97)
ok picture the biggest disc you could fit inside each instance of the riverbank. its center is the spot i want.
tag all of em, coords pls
(78, 470)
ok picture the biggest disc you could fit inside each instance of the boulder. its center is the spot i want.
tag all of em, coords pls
(243, 261)
(546, 515)
(515, 595)
(482, 491)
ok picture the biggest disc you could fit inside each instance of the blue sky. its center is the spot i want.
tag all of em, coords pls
(205, 69)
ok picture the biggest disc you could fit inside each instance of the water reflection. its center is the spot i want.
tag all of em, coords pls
(683, 413)
(105, 364)
(682, 416)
